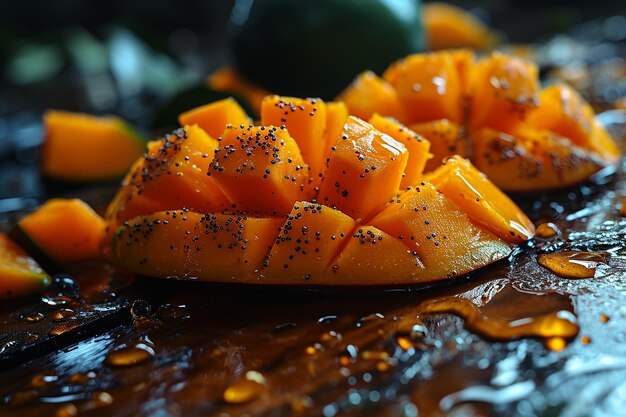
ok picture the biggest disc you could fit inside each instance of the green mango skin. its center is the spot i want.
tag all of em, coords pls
(315, 48)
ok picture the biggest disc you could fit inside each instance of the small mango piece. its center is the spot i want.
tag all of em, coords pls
(65, 230)
(364, 170)
(449, 26)
(307, 242)
(214, 117)
(428, 86)
(417, 146)
(446, 138)
(369, 94)
(19, 273)
(260, 169)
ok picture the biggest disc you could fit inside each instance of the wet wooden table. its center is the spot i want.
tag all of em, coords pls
(147, 347)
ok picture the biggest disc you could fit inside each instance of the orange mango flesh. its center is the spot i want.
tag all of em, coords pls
(19, 273)
(214, 117)
(370, 94)
(308, 241)
(184, 244)
(503, 90)
(370, 252)
(446, 138)
(416, 145)
(364, 170)
(564, 112)
(353, 229)
(429, 87)
(448, 26)
(532, 160)
(439, 232)
(305, 120)
(178, 164)
(260, 169)
(557, 140)
(482, 201)
(80, 147)
(67, 230)
(336, 115)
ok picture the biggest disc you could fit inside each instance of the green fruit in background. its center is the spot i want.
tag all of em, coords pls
(316, 47)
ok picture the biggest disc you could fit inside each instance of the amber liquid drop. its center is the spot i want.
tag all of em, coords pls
(512, 314)
(573, 264)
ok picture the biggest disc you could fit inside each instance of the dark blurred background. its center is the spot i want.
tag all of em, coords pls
(134, 58)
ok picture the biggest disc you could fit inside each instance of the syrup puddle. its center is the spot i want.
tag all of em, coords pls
(512, 313)
(574, 265)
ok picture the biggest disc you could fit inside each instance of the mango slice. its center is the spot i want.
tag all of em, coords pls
(19, 273)
(214, 117)
(364, 170)
(436, 230)
(308, 241)
(84, 148)
(61, 230)
(483, 202)
(370, 94)
(449, 26)
(452, 100)
(374, 219)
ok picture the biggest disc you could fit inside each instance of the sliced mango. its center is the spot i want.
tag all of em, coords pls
(449, 26)
(214, 117)
(184, 244)
(19, 273)
(364, 170)
(260, 169)
(80, 147)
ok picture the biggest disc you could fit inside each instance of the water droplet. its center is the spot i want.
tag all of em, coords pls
(129, 356)
(585, 340)
(604, 318)
(573, 264)
(246, 389)
(32, 317)
(173, 312)
(67, 410)
(140, 309)
(62, 290)
(63, 314)
(64, 327)
(546, 230)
